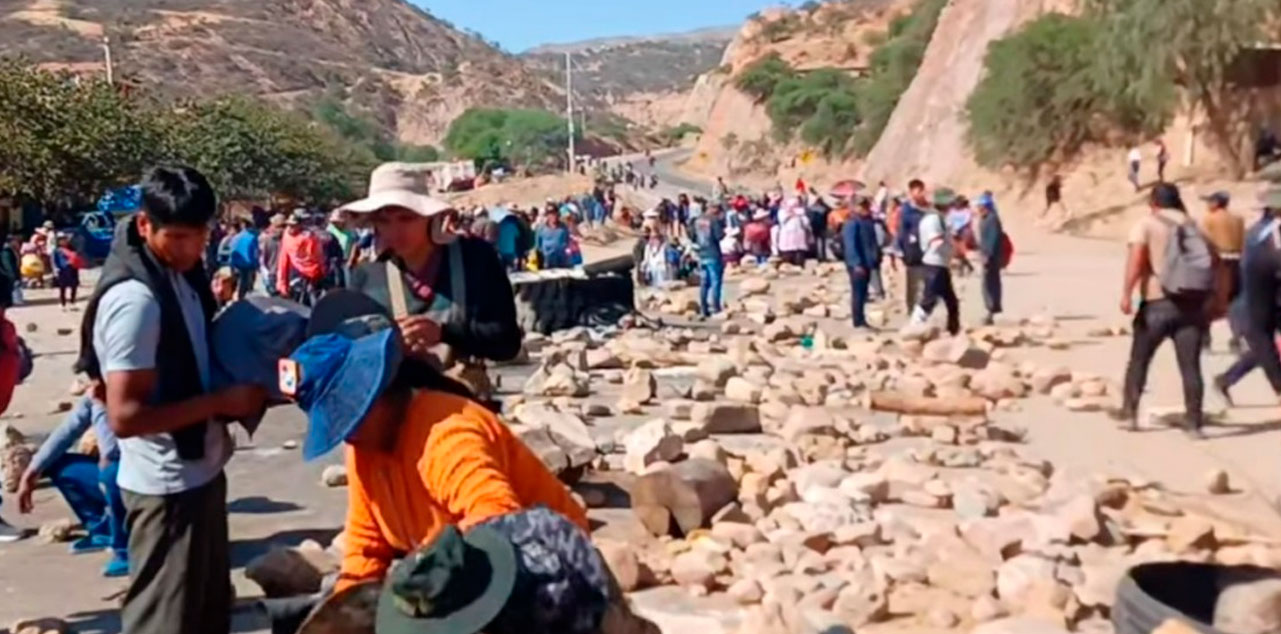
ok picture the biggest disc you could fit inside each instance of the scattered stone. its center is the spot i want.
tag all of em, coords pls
(727, 418)
(717, 371)
(973, 500)
(807, 421)
(1020, 625)
(601, 359)
(289, 444)
(639, 385)
(288, 572)
(1190, 533)
(60, 407)
(941, 617)
(56, 531)
(698, 567)
(751, 286)
(746, 592)
(335, 475)
(861, 601)
(706, 449)
(650, 443)
(1017, 577)
(32, 327)
(14, 460)
(678, 409)
(622, 561)
(741, 390)
(986, 608)
(1217, 482)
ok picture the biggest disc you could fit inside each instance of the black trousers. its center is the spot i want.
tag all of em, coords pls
(179, 562)
(938, 285)
(992, 288)
(915, 278)
(1155, 322)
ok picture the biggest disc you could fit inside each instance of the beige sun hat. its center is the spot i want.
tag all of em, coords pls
(1270, 197)
(398, 185)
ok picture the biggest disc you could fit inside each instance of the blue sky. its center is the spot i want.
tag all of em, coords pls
(520, 24)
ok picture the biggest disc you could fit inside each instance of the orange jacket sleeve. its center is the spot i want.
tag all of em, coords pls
(366, 553)
(461, 468)
(282, 267)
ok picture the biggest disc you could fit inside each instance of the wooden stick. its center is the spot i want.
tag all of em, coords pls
(683, 497)
(926, 406)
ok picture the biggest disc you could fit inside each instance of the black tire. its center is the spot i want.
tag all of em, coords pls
(1151, 594)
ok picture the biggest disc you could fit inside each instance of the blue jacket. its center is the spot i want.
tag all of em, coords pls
(708, 233)
(908, 225)
(990, 232)
(244, 251)
(862, 249)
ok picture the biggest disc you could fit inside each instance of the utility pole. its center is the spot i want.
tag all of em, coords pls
(106, 53)
(569, 107)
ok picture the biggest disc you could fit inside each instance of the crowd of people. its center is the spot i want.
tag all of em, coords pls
(395, 303)
(925, 236)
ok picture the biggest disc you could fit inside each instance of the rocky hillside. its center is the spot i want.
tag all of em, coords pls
(414, 73)
(736, 128)
(642, 79)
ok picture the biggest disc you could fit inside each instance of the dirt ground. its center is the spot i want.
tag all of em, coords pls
(275, 498)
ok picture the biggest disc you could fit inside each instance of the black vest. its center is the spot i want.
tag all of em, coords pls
(177, 374)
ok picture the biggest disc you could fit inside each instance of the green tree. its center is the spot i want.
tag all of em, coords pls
(1151, 45)
(1038, 97)
(760, 78)
(66, 139)
(524, 136)
(249, 149)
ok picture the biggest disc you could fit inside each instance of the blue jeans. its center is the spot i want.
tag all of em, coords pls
(713, 279)
(93, 496)
(859, 286)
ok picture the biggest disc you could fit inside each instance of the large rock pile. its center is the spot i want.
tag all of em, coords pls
(827, 482)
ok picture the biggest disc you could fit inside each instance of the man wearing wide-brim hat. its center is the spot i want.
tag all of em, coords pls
(448, 292)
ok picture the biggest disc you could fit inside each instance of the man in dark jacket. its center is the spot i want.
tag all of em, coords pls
(862, 257)
(817, 212)
(991, 239)
(909, 240)
(1256, 314)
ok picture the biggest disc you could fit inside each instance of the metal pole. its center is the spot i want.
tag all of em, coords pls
(569, 107)
(106, 51)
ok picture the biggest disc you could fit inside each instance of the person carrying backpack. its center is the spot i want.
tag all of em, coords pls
(992, 247)
(1171, 267)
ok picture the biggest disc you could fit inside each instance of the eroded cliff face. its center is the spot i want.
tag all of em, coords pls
(926, 136)
(737, 138)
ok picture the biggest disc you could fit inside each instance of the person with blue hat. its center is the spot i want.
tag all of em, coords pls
(994, 249)
(420, 457)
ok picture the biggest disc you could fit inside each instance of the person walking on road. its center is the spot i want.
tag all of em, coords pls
(862, 251)
(1226, 233)
(1256, 314)
(936, 259)
(991, 242)
(1135, 161)
(1162, 159)
(244, 258)
(1171, 267)
(709, 230)
(911, 212)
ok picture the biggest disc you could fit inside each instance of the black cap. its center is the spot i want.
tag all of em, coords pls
(1219, 199)
(1166, 196)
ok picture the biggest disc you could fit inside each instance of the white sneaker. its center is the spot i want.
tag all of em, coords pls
(9, 534)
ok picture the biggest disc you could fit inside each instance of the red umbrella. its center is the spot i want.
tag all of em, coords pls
(847, 188)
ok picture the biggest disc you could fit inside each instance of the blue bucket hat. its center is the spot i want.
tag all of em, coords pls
(337, 380)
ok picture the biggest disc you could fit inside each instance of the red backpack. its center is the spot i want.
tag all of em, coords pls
(1007, 250)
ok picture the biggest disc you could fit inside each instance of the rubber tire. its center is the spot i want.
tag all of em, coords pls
(1144, 596)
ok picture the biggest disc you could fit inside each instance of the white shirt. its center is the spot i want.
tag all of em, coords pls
(935, 242)
(1136, 155)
